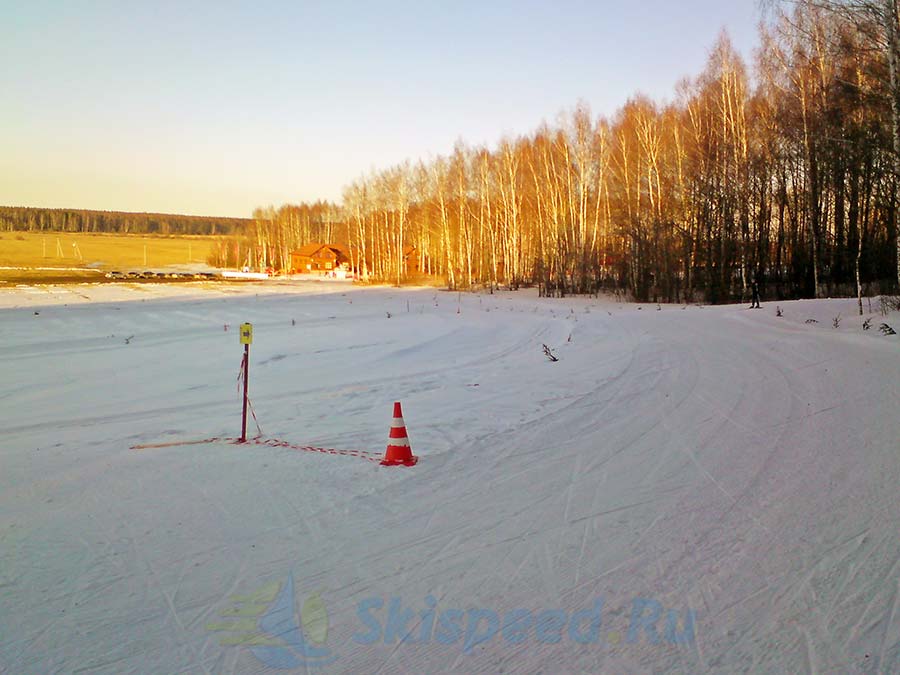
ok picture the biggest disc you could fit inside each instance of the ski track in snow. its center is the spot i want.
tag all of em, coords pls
(738, 464)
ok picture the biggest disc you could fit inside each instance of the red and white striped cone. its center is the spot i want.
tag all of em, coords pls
(398, 450)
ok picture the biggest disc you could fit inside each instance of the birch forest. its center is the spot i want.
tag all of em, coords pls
(784, 171)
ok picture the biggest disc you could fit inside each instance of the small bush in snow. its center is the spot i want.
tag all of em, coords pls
(836, 321)
(811, 321)
(887, 330)
(778, 311)
(888, 304)
(867, 324)
(549, 353)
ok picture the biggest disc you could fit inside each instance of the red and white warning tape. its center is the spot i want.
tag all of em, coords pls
(259, 440)
(270, 442)
(275, 443)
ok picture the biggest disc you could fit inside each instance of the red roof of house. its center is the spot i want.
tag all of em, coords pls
(312, 248)
(309, 249)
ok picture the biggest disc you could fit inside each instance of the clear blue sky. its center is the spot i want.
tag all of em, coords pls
(217, 107)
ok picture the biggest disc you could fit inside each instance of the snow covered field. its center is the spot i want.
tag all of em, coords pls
(689, 490)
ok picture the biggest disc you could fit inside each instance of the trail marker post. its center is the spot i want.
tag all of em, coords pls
(246, 334)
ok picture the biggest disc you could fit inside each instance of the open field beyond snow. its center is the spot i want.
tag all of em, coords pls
(99, 251)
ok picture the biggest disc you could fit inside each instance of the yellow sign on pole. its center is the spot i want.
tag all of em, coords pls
(246, 333)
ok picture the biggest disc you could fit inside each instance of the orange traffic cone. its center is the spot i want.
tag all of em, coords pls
(398, 449)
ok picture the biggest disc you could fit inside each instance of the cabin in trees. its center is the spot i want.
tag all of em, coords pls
(412, 262)
(320, 258)
(410, 259)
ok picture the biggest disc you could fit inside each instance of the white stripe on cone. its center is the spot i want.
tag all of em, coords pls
(401, 442)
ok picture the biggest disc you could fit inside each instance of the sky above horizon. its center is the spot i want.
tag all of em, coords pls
(215, 108)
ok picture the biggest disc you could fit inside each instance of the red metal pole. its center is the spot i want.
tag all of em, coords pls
(246, 382)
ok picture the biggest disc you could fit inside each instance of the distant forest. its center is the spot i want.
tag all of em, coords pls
(789, 175)
(28, 219)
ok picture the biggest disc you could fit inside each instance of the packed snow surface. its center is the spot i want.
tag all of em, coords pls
(687, 490)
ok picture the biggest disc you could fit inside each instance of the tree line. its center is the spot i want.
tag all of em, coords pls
(788, 177)
(29, 219)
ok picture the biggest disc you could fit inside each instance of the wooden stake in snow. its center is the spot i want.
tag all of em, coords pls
(246, 339)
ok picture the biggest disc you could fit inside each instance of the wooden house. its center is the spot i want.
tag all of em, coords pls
(315, 257)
